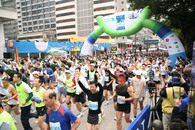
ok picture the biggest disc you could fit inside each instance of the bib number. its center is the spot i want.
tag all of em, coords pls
(93, 105)
(54, 126)
(106, 79)
(77, 92)
(119, 101)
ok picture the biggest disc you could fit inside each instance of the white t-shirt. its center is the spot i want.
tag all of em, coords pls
(72, 70)
(61, 77)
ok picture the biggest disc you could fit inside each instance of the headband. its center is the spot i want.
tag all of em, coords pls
(121, 79)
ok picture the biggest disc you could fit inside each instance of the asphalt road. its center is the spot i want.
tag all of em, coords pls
(108, 122)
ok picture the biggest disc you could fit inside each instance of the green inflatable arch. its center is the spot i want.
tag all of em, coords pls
(129, 23)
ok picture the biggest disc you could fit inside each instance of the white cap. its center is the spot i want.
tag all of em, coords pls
(35, 72)
(138, 72)
(92, 64)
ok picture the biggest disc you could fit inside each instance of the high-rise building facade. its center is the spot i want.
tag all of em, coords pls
(34, 18)
(10, 27)
(78, 17)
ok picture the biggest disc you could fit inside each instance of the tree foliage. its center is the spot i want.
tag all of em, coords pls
(178, 14)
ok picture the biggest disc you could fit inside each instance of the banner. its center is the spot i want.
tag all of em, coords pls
(83, 39)
(173, 44)
(141, 121)
(123, 20)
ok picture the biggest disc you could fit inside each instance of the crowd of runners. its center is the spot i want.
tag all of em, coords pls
(89, 82)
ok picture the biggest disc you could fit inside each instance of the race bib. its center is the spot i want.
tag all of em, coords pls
(93, 105)
(129, 80)
(106, 79)
(54, 126)
(77, 92)
(119, 101)
(91, 78)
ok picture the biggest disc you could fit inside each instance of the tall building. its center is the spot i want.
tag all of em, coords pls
(10, 27)
(35, 19)
(6, 14)
(78, 17)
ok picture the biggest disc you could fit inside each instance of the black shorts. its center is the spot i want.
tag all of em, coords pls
(71, 94)
(12, 105)
(109, 88)
(92, 119)
(41, 111)
(49, 80)
(126, 108)
(80, 98)
(164, 76)
(157, 82)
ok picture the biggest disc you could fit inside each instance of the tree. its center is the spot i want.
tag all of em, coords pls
(179, 15)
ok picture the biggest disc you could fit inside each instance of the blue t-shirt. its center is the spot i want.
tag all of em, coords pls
(57, 121)
(49, 72)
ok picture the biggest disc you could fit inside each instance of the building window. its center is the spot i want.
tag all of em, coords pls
(34, 6)
(24, 24)
(29, 18)
(45, 4)
(46, 15)
(34, 12)
(40, 5)
(46, 20)
(122, 2)
(47, 27)
(40, 27)
(34, 17)
(122, 9)
(40, 11)
(40, 16)
(34, 22)
(53, 20)
(52, 14)
(53, 26)
(35, 28)
(30, 29)
(29, 23)
(52, 8)
(52, 3)
(46, 10)
(24, 29)
(40, 21)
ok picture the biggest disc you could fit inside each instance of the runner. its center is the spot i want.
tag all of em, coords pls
(60, 77)
(79, 96)
(2, 90)
(94, 102)
(58, 117)
(70, 86)
(107, 86)
(137, 84)
(6, 121)
(91, 74)
(25, 94)
(124, 96)
(38, 92)
(11, 98)
(49, 73)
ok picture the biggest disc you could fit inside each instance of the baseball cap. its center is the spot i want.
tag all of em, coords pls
(175, 80)
(138, 72)
(67, 71)
(35, 72)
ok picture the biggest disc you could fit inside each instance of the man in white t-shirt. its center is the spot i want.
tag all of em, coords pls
(60, 78)
(72, 69)
(79, 95)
